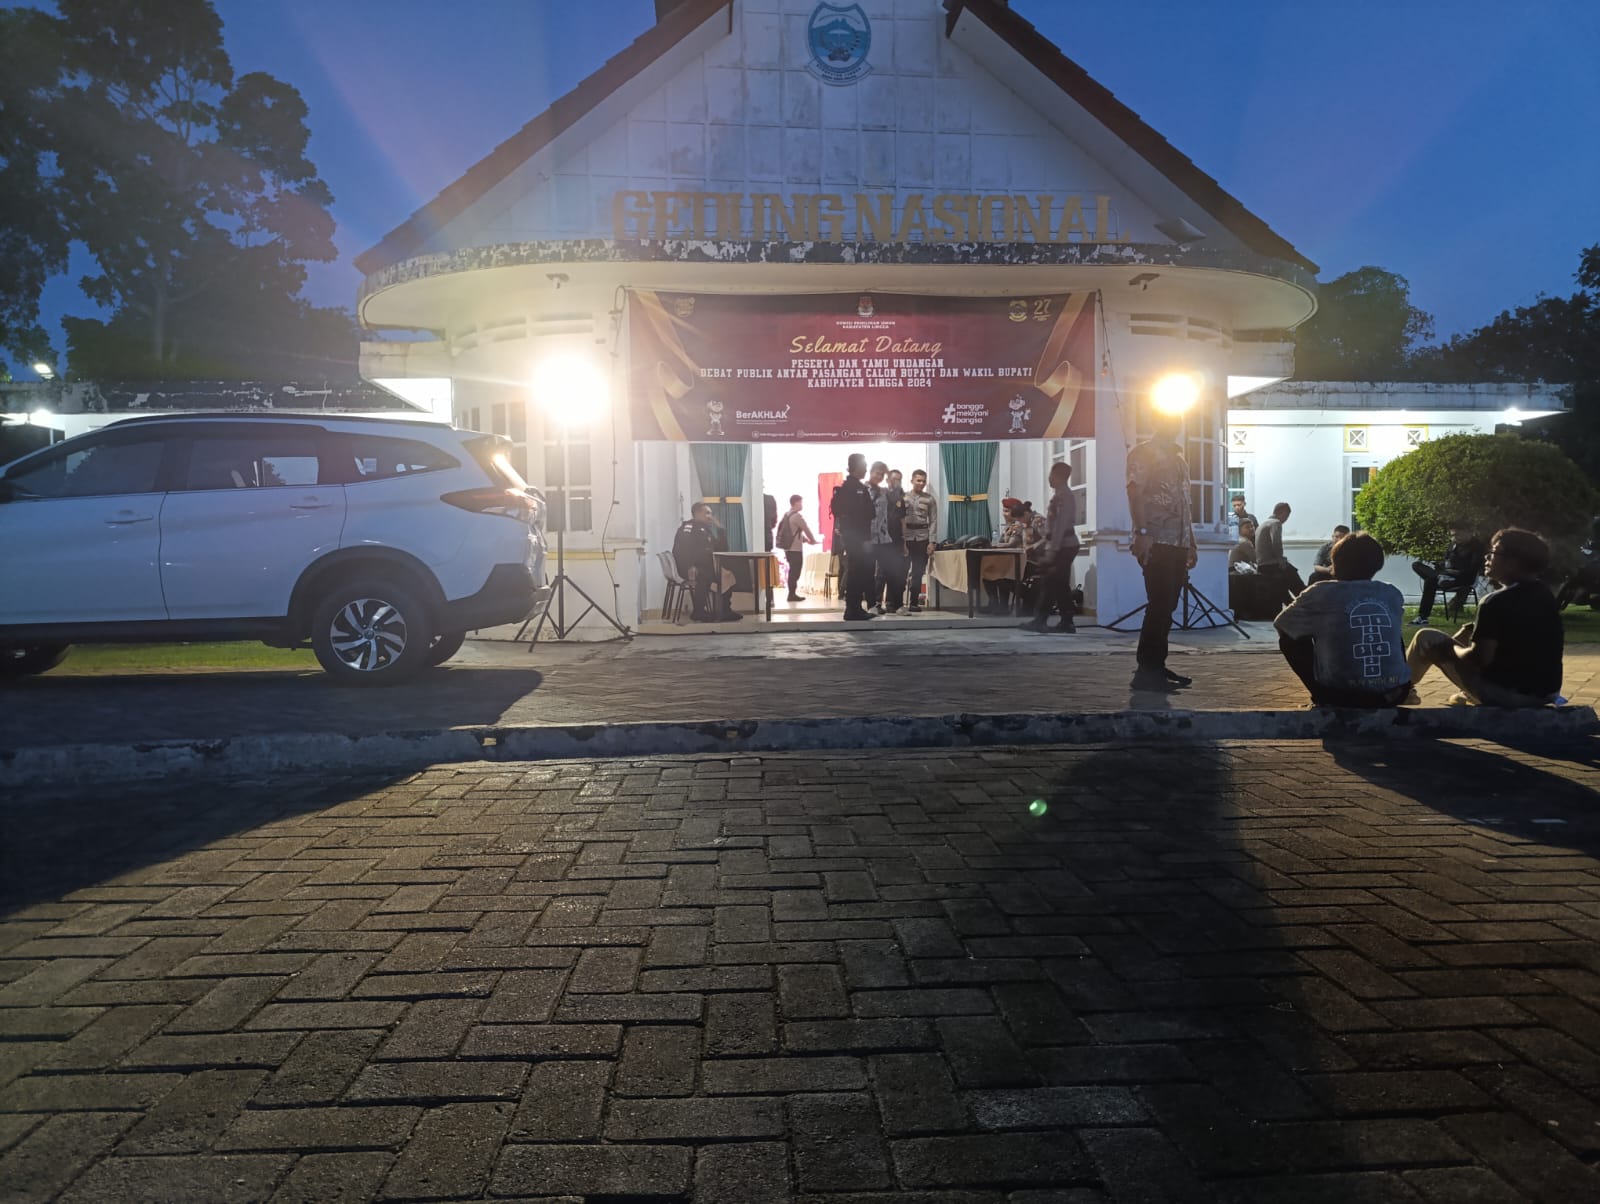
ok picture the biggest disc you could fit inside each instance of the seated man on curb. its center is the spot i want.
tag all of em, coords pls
(1512, 656)
(1342, 637)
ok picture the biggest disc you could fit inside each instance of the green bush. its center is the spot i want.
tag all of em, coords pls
(1484, 482)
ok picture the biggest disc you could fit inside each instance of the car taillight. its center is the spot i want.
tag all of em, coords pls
(507, 503)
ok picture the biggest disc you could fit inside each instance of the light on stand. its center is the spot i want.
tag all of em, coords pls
(1175, 393)
(571, 389)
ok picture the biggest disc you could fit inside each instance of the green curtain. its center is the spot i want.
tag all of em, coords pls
(721, 468)
(967, 467)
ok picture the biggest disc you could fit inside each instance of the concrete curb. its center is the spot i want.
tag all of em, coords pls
(294, 752)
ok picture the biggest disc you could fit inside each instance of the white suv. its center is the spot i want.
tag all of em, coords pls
(378, 541)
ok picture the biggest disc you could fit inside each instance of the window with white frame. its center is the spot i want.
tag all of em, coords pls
(511, 420)
(1360, 474)
(1202, 448)
(1075, 452)
(568, 482)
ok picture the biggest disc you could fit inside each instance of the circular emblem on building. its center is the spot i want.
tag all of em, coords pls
(1017, 311)
(839, 36)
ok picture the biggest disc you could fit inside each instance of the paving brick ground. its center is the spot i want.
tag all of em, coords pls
(897, 671)
(1247, 973)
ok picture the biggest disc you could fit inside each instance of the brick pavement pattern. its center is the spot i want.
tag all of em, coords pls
(1247, 973)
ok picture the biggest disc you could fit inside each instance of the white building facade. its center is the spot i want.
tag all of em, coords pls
(933, 148)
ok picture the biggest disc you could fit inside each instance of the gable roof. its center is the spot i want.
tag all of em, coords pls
(1098, 101)
(405, 240)
(408, 238)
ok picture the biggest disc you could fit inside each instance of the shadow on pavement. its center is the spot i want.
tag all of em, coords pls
(44, 711)
(54, 843)
(1192, 990)
(1495, 786)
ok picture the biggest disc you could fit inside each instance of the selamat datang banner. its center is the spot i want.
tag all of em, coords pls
(833, 367)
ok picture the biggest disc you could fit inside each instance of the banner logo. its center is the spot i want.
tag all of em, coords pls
(864, 307)
(839, 36)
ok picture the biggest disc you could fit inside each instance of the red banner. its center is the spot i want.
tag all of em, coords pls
(831, 367)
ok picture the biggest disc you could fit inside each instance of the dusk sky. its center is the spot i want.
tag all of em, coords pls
(1456, 142)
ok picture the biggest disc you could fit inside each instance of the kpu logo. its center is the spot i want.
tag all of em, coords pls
(839, 36)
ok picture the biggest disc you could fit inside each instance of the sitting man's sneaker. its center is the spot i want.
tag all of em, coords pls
(1419, 621)
(1178, 680)
(1066, 628)
(1152, 679)
(1033, 625)
(913, 609)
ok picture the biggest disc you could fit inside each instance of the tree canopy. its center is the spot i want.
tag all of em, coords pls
(1365, 328)
(34, 232)
(192, 190)
(1484, 482)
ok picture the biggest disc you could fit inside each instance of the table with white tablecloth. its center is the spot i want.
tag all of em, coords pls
(818, 573)
(966, 569)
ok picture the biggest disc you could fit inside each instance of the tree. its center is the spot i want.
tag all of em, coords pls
(33, 229)
(1483, 482)
(1365, 328)
(1555, 340)
(191, 189)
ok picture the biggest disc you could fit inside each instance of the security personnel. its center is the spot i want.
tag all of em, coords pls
(694, 548)
(921, 527)
(853, 512)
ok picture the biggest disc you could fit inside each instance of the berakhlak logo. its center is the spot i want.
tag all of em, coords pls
(839, 36)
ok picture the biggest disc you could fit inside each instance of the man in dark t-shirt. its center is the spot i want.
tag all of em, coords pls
(1512, 656)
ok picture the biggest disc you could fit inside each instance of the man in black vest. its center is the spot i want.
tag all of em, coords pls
(853, 512)
(694, 548)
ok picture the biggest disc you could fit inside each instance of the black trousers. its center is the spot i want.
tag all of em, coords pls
(917, 559)
(1165, 571)
(703, 589)
(858, 572)
(797, 562)
(1053, 586)
(891, 575)
(1302, 658)
(1433, 580)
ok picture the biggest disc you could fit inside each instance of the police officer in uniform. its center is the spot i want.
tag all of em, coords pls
(694, 548)
(853, 512)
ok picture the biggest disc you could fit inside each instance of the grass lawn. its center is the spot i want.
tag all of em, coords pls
(1582, 624)
(121, 658)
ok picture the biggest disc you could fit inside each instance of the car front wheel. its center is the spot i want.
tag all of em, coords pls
(372, 632)
(26, 660)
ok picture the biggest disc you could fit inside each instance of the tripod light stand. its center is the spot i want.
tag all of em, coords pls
(1172, 396)
(1198, 613)
(569, 388)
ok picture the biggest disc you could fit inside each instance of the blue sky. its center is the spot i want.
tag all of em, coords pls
(1452, 141)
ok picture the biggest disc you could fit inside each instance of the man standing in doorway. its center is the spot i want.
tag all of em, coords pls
(853, 512)
(1163, 543)
(794, 533)
(922, 532)
(1060, 551)
(878, 539)
(892, 555)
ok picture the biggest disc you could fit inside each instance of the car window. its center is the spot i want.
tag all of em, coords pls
(377, 457)
(254, 461)
(94, 469)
